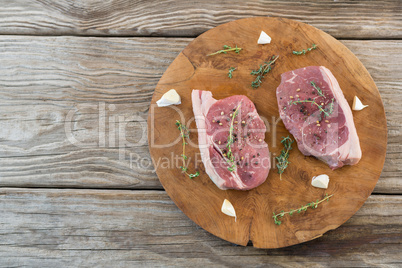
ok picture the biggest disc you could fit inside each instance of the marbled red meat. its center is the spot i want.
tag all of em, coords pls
(328, 133)
(250, 151)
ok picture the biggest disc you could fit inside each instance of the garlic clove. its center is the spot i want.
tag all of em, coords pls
(228, 209)
(169, 98)
(357, 104)
(264, 38)
(320, 181)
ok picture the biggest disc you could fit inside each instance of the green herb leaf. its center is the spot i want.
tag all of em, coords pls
(229, 154)
(264, 69)
(304, 51)
(322, 110)
(194, 175)
(317, 88)
(299, 210)
(226, 49)
(331, 106)
(231, 69)
(283, 157)
(184, 133)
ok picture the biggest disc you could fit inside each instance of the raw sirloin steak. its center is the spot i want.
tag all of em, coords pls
(314, 110)
(243, 164)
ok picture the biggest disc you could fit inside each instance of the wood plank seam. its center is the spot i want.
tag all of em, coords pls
(136, 59)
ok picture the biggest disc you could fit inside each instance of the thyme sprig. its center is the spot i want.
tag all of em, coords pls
(283, 161)
(331, 106)
(264, 69)
(229, 154)
(317, 88)
(312, 101)
(226, 49)
(313, 205)
(304, 51)
(231, 69)
(185, 134)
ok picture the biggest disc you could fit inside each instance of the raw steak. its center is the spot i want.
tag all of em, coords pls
(321, 122)
(250, 152)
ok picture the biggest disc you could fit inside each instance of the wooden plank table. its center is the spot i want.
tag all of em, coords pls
(77, 186)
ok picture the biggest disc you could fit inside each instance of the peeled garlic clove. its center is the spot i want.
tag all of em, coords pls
(264, 38)
(228, 209)
(169, 98)
(357, 104)
(320, 181)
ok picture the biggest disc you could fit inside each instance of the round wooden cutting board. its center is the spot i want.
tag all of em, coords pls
(200, 199)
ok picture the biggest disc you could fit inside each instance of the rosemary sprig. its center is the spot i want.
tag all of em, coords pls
(312, 101)
(283, 158)
(184, 134)
(317, 88)
(304, 51)
(264, 69)
(231, 69)
(229, 154)
(313, 205)
(226, 49)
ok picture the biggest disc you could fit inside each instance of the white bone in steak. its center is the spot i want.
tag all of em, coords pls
(318, 117)
(250, 152)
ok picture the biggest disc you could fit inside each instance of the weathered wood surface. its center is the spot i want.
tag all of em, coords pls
(45, 79)
(87, 228)
(342, 19)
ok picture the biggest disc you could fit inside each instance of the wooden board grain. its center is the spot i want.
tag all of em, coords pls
(92, 228)
(343, 18)
(42, 79)
(200, 199)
